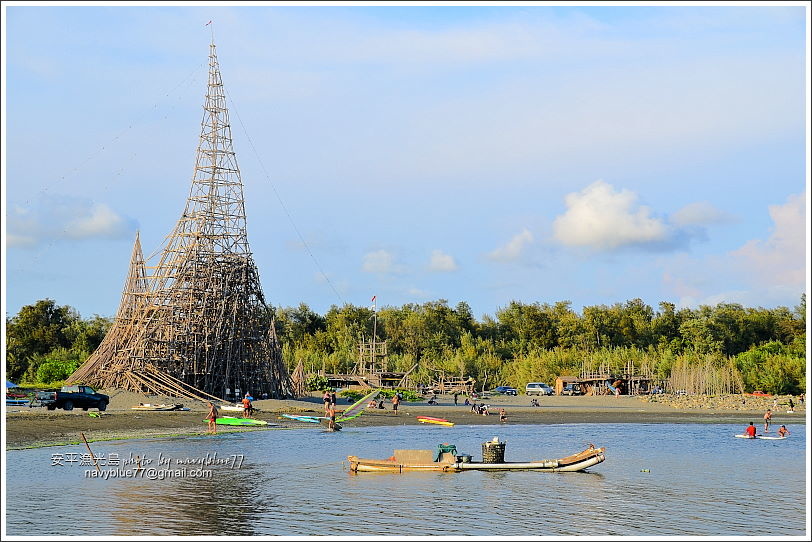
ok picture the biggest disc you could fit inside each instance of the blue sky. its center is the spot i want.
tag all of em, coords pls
(478, 154)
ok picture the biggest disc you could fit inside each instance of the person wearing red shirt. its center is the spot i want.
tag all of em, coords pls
(750, 431)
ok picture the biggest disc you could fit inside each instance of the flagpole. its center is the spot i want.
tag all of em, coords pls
(374, 327)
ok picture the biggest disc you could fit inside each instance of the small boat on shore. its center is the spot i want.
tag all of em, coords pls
(161, 407)
(445, 459)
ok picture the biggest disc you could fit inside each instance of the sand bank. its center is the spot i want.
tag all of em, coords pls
(33, 427)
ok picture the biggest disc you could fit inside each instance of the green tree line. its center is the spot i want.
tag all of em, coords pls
(522, 342)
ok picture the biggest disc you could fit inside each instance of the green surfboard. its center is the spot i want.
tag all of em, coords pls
(228, 420)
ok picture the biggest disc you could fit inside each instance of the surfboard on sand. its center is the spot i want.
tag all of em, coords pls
(761, 437)
(228, 420)
(436, 421)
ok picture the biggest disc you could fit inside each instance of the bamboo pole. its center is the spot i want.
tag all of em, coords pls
(91, 453)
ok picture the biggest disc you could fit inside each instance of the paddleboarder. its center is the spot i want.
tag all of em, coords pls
(768, 417)
(783, 431)
(750, 431)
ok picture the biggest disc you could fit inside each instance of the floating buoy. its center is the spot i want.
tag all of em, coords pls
(645, 470)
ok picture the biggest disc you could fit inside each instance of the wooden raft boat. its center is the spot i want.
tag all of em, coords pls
(422, 460)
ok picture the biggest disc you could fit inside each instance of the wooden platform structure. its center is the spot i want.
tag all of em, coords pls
(631, 380)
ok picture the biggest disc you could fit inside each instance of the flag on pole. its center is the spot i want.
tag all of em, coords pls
(207, 24)
(373, 298)
(374, 306)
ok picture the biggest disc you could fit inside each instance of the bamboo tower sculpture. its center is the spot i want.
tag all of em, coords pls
(298, 384)
(198, 325)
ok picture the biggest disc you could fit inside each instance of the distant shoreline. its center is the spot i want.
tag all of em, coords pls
(34, 428)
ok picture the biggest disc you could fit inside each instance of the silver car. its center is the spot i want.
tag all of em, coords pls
(538, 388)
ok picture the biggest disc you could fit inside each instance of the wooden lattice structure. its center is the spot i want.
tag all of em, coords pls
(297, 379)
(196, 322)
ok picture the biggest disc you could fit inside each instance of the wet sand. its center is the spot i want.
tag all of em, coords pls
(36, 427)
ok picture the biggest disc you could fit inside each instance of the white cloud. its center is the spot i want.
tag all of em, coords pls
(781, 259)
(442, 262)
(761, 272)
(513, 249)
(698, 214)
(602, 218)
(55, 218)
(380, 261)
(417, 292)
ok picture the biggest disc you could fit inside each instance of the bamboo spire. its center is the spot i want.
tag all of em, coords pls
(199, 317)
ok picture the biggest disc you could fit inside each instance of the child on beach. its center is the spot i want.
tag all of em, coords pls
(502, 415)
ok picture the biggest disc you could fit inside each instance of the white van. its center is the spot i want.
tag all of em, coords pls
(538, 388)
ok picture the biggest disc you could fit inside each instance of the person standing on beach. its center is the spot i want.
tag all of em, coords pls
(502, 415)
(750, 431)
(326, 399)
(333, 400)
(395, 402)
(246, 406)
(768, 417)
(212, 418)
(791, 407)
(455, 398)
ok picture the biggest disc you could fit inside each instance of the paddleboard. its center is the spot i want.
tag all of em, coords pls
(309, 419)
(430, 418)
(761, 437)
(436, 422)
(228, 420)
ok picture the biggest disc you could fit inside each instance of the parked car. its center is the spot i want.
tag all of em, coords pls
(571, 389)
(83, 397)
(538, 388)
(506, 390)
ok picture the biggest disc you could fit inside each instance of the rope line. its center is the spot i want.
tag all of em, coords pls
(282, 203)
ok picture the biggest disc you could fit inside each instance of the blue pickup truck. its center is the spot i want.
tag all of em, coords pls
(68, 397)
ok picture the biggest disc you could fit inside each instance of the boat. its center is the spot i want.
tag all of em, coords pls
(449, 461)
(762, 437)
(437, 421)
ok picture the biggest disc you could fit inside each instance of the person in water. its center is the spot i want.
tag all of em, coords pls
(750, 431)
(768, 417)
(783, 431)
(331, 425)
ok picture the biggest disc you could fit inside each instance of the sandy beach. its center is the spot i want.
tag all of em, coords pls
(35, 427)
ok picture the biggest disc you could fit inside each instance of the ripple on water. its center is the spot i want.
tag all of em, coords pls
(700, 481)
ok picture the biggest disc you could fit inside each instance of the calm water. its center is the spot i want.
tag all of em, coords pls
(295, 482)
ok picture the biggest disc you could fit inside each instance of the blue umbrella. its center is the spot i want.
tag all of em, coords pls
(10, 384)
